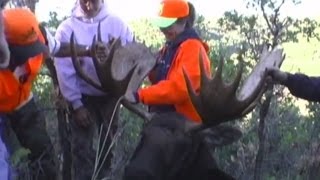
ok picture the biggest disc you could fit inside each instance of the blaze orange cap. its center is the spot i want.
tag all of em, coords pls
(21, 29)
(170, 11)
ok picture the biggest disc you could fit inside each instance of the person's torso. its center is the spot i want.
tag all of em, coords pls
(169, 63)
(17, 90)
(186, 108)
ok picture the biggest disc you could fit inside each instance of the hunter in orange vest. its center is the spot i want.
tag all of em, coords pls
(27, 52)
(168, 92)
(26, 43)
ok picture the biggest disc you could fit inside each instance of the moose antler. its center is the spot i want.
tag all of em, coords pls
(219, 102)
(103, 61)
(120, 69)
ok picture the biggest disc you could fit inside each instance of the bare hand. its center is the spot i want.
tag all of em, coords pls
(276, 75)
(100, 51)
(82, 117)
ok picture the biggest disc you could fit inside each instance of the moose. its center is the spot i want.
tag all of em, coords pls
(4, 50)
(173, 147)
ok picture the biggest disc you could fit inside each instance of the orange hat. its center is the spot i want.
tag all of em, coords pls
(170, 11)
(21, 30)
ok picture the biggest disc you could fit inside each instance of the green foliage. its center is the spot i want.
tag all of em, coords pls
(43, 87)
(145, 32)
(54, 21)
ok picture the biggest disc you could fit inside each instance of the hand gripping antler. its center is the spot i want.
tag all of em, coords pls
(219, 102)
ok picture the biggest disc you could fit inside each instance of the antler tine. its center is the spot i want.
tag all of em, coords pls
(134, 39)
(235, 84)
(194, 98)
(137, 110)
(121, 86)
(77, 66)
(203, 80)
(107, 78)
(99, 32)
(115, 44)
(204, 77)
(112, 40)
(95, 60)
(218, 74)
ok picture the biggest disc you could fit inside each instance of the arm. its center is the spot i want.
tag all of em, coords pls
(62, 49)
(173, 90)
(4, 50)
(303, 86)
(66, 74)
(65, 50)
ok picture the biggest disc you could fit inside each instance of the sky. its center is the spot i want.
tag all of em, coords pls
(132, 9)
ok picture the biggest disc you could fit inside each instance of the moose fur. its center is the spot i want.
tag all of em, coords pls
(165, 152)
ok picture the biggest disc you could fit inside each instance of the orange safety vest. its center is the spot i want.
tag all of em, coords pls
(173, 90)
(12, 92)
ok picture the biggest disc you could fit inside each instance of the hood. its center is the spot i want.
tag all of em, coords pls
(187, 34)
(78, 13)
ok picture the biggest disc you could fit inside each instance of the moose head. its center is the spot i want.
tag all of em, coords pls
(121, 70)
(4, 50)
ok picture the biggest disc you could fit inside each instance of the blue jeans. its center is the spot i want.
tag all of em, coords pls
(4, 156)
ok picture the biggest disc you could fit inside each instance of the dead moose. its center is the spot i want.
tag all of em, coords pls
(172, 147)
